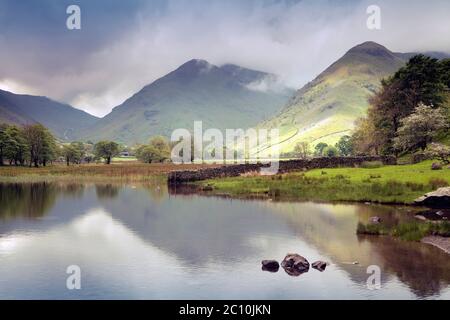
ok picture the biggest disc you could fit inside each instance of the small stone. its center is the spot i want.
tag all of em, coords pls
(270, 265)
(294, 264)
(319, 265)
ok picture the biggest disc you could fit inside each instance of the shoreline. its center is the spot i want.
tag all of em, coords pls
(441, 243)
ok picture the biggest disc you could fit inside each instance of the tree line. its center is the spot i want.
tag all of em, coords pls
(34, 145)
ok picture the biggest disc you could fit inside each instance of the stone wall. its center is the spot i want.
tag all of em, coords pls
(284, 166)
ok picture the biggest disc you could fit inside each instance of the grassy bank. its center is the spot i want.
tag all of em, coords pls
(409, 231)
(374, 183)
(120, 171)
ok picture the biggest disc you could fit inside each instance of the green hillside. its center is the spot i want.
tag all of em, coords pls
(63, 120)
(221, 97)
(326, 108)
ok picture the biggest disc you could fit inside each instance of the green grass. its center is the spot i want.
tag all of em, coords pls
(386, 184)
(408, 231)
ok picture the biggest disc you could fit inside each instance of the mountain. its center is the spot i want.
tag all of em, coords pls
(63, 120)
(222, 97)
(326, 108)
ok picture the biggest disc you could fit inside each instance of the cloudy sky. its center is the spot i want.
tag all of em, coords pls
(124, 45)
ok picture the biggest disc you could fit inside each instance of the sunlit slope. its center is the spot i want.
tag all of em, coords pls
(326, 108)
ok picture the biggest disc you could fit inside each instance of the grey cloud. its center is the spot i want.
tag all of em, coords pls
(120, 49)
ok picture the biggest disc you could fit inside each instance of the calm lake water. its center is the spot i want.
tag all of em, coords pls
(143, 242)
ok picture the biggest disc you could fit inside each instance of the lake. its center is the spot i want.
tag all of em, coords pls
(148, 242)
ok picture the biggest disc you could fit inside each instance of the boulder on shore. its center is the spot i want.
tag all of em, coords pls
(319, 265)
(436, 199)
(270, 265)
(436, 166)
(294, 264)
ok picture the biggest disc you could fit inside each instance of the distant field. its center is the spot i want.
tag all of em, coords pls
(124, 159)
(127, 171)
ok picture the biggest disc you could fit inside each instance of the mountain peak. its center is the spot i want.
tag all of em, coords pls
(370, 48)
(194, 68)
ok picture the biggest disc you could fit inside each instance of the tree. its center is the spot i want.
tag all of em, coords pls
(319, 148)
(3, 141)
(16, 147)
(330, 152)
(73, 153)
(148, 154)
(40, 143)
(345, 146)
(106, 150)
(162, 146)
(158, 150)
(420, 81)
(440, 152)
(445, 72)
(302, 150)
(420, 128)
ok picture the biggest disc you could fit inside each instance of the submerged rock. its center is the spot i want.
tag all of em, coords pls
(375, 220)
(294, 264)
(436, 199)
(270, 265)
(319, 265)
(433, 215)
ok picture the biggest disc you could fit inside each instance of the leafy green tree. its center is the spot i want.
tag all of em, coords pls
(330, 152)
(158, 150)
(148, 154)
(40, 143)
(445, 72)
(16, 148)
(73, 153)
(420, 128)
(345, 145)
(3, 141)
(162, 145)
(319, 148)
(106, 150)
(421, 80)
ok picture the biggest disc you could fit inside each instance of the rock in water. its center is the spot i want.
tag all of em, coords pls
(319, 265)
(436, 199)
(294, 264)
(375, 220)
(270, 265)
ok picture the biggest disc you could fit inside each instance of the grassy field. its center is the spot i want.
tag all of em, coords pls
(126, 171)
(384, 184)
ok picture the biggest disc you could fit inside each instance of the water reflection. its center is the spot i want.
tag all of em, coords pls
(188, 246)
(26, 200)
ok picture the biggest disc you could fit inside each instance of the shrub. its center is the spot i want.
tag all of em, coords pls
(371, 229)
(436, 183)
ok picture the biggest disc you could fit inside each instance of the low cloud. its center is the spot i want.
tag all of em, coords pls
(124, 46)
